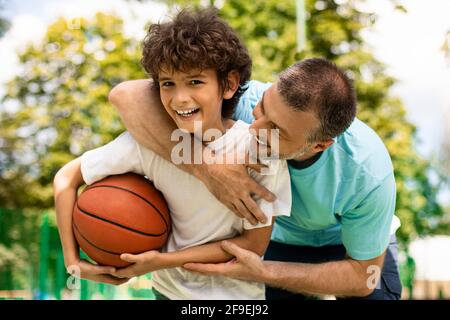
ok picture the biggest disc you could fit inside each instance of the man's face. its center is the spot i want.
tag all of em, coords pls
(294, 126)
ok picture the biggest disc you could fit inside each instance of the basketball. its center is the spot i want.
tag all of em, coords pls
(120, 214)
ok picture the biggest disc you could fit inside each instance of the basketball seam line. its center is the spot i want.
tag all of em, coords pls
(137, 195)
(92, 244)
(120, 225)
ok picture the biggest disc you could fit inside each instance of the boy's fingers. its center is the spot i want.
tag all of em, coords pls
(112, 280)
(95, 269)
(129, 257)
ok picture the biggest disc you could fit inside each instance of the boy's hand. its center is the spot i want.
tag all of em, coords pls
(97, 273)
(142, 263)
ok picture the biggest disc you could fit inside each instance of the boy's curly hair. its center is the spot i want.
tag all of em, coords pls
(198, 40)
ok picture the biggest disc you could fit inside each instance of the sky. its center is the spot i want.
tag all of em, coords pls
(409, 44)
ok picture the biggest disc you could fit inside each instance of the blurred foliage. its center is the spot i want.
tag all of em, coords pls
(18, 247)
(57, 107)
(53, 111)
(334, 31)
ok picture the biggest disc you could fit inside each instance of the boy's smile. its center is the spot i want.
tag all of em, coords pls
(187, 114)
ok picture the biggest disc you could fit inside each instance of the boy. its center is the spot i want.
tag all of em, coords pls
(200, 68)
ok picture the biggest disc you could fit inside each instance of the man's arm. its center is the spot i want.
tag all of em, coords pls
(140, 109)
(352, 278)
(143, 114)
(340, 278)
(254, 240)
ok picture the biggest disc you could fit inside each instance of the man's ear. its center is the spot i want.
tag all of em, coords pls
(322, 145)
(233, 84)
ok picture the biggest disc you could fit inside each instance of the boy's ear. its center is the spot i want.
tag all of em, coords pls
(233, 84)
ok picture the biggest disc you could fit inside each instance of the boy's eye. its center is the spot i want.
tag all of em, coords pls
(166, 84)
(195, 82)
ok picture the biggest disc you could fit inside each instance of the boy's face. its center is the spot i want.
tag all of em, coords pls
(192, 96)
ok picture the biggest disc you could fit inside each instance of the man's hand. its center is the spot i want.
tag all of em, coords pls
(97, 273)
(142, 263)
(232, 185)
(247, 265)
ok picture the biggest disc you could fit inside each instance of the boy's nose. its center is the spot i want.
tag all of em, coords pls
(181, 98)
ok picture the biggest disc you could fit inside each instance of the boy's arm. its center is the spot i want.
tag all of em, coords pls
(65, 186)
(255, 240)
(140, 109)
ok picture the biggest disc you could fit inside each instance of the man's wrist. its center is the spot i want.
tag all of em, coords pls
(269, 272)
(200, 171)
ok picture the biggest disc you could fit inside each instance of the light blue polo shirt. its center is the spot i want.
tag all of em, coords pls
(346, 197)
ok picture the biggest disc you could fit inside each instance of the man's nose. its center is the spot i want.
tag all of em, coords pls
(259, 123)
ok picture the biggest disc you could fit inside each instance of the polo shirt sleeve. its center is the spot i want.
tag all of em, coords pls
(249, 100)
(366, 228)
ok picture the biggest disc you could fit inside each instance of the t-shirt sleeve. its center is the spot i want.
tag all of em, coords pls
(366, 228)
(119, 156)
(249, 100)
(279, 183)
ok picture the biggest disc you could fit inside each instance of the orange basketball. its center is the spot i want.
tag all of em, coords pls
(120, 214)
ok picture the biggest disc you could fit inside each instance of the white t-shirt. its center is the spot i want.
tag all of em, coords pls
(197, 216)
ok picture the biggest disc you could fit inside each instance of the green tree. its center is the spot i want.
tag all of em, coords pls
(57, 107)
(334, 31)
(53, 111)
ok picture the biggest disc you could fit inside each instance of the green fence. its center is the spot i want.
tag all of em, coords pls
(32, 263)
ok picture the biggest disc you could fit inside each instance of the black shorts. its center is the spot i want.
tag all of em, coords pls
(389, 288)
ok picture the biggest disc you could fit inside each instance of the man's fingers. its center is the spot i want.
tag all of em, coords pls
(233, 208)
(254, 209)
(205, 268)
(240, 206)
(261, 192)
(232, 249)
(256, 167)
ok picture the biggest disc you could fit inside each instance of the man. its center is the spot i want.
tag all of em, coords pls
(339, 239)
